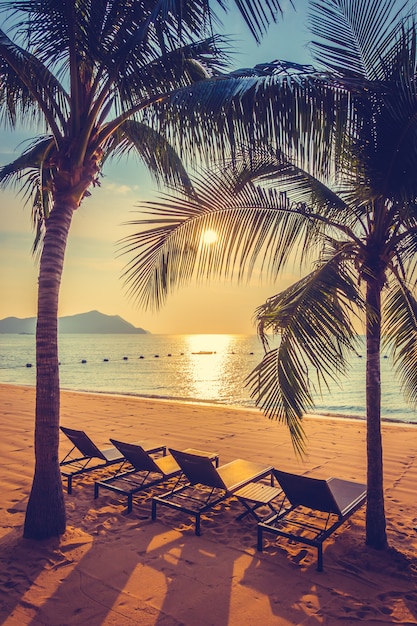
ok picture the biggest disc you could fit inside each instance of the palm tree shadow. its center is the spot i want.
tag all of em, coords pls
(186, 577)
(104, 570)
(22, 562)
(114, 567)
(200, 586)
(358, 584)
(128, 565)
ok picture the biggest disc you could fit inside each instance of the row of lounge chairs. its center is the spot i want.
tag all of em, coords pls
(300, 508)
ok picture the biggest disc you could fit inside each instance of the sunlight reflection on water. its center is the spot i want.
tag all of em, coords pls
(214, 363)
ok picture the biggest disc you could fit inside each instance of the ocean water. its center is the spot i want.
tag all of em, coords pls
(197, 368)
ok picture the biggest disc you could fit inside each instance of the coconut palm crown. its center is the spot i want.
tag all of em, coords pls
(86, 72)
(337, 186)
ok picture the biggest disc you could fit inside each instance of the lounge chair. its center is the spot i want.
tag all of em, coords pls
(207, 484)
(145, 471)
(312, 509)
(92, 458)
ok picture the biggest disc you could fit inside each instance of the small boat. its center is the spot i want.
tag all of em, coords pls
(203, 352)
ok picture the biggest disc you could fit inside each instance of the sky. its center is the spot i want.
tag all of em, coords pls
(92, 271)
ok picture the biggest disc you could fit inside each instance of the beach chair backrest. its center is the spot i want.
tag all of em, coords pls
(313, 493)
(198, 469)
(347, 494)
(137, 456)
(83, 443)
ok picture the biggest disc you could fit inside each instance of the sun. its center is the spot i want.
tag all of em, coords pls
(209, 237)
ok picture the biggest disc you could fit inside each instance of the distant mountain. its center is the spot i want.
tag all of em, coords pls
(93, 322)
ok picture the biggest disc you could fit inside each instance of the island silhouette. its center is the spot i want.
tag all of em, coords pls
(92, 322)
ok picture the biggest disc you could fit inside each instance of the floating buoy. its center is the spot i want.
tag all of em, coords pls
(250, 352)
(141, 356)
(83, 361)
(156, 356)
(125, 358)
(28, 364)
(169, 354)
(105, 360)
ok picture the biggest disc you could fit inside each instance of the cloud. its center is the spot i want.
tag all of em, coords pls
(118, 189)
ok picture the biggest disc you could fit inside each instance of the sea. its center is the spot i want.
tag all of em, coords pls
(192, 368)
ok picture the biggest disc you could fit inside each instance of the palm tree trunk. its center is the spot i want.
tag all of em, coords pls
(375, 513)
(45, 514)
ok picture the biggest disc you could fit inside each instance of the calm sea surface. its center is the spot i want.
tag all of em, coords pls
(199, 368)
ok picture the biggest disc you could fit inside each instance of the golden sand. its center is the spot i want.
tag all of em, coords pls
(115, 569)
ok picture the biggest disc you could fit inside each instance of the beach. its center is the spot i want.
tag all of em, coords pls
(110, 568)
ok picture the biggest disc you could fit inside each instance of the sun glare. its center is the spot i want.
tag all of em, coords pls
(209, 237)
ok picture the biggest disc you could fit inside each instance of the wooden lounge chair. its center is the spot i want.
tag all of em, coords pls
(145, 471)
(85, 456)
(207, 485)
(312, 509)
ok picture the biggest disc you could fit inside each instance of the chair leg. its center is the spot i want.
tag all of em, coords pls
(96, 489)
(320, 558)
(260, 540)
(129, 503)
(197, 525)
(69, 485)
(153, 509)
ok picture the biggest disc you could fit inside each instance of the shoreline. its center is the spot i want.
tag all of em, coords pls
(198, 402)
(113, 569)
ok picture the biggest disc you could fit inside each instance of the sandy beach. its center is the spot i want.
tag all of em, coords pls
(114, 569)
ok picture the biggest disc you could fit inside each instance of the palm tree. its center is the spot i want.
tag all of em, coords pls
(338, 188)
(87, 72)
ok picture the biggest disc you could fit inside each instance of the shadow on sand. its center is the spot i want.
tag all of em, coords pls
(114, 569)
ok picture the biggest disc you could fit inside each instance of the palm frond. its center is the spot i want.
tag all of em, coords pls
(313, 319)
(272, 105)
(33, 158)
(258, 15)
(29, 87)
(288, 397)
(159, 156)
(33, 172)
(400, 336)
(256, 227)
(159, 73)
(118, 30)
(353, 36)
(394, 157)
(402, 245)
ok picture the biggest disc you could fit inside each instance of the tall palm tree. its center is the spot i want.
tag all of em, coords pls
(87, 71)
(338, 188)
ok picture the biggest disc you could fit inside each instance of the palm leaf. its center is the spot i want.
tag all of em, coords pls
(28, 86)
(33, 172)
(159, 156)
(286, 398)
(256, 227)
(273, 105)
(400, 336)
(313, 319)
(353, 37)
